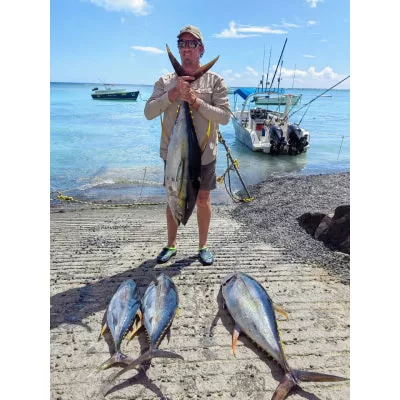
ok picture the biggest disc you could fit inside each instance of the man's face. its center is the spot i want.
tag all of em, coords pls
(190, 57)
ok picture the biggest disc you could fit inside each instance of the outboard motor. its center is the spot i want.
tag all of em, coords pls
(277, 140)
(297, 141)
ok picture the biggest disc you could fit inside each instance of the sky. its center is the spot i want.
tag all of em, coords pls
(123, 41)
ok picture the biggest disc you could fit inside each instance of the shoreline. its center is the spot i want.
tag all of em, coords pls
(272, 215)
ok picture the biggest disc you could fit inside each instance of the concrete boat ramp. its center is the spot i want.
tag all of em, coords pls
(94, 249)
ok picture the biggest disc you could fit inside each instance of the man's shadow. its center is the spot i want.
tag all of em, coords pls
(276, 371)
(73, 306)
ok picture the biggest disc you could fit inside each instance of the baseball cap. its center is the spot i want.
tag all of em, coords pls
(194, 30)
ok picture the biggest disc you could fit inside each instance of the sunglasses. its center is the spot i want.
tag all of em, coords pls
(189, 43)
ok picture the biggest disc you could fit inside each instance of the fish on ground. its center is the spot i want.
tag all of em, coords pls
(183, 164)
(253, 312)
(160, 305)
(122, 314)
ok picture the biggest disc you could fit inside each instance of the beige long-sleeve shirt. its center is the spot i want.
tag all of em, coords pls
(214, 110)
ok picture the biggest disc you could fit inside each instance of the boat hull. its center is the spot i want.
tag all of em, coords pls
(132, 96)
(261, 142)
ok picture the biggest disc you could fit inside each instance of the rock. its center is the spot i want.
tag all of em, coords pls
(323, 227)
(332, 229)
(310, 221)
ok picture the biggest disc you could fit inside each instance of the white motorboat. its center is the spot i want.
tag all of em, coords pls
(268, 131)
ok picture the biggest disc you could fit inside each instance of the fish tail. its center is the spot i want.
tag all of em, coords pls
(308, 376)
(293, 378)
(284, 387)
(114, 359)
(148, 355)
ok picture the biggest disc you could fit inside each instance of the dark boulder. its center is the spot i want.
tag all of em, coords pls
(310, 221)
(333, 230)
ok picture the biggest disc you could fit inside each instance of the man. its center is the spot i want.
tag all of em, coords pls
(208, 101)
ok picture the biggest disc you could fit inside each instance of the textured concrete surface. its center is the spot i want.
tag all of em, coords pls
(93, 250)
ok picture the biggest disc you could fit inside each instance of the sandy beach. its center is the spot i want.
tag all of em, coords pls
(94, 248)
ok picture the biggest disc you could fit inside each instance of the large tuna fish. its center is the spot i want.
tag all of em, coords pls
(183, 166)
(253, 311)
(160, 304)
(121, 313)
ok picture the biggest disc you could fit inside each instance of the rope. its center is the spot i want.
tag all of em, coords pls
(62, 197)
(234, 165)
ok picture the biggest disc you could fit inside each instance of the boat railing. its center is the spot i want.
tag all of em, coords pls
(246, 105)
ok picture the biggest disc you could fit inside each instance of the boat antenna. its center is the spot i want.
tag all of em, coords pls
(269, 63)
(283, 49)
(294, 74)
(315, 98)
(262, 77)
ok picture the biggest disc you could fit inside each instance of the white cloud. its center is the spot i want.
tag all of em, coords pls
(311, 23)
(286, 25)
(308, 56)
(252, 71)
(243, 31)
(324, 40)
(137, 7)
(313, 3)
(309, 78)
(326, 74)
(152, 50)
(122, 20)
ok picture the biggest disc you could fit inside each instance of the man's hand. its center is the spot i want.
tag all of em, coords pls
(183, 90)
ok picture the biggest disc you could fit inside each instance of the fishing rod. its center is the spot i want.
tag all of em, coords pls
(269, 63)
(280, 73)
(276, 69)
(294, 74)
(315, 98)
(262, 77)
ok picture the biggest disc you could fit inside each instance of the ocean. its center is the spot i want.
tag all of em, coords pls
(108, 151)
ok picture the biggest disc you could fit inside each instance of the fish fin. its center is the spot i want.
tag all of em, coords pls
(175, 63)
(136, 326)
(148, 355)
(284, 387)
(309, 376)
(105, 327)
(204, 68)
(114, 359)
(235, 336)
(279, 309)
(168, 334)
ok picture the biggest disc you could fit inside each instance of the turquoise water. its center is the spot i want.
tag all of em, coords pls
(108, 150)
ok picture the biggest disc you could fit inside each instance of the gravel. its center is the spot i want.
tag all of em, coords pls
(279, 201)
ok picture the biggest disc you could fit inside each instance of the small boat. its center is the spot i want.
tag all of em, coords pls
(113, 94)
(268, 131)
(275, 97)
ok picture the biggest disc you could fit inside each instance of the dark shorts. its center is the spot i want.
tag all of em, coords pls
(208, 176)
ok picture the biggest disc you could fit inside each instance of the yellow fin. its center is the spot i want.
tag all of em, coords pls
(279, 309)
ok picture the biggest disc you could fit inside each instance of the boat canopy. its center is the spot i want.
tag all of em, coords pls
(244, 93)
